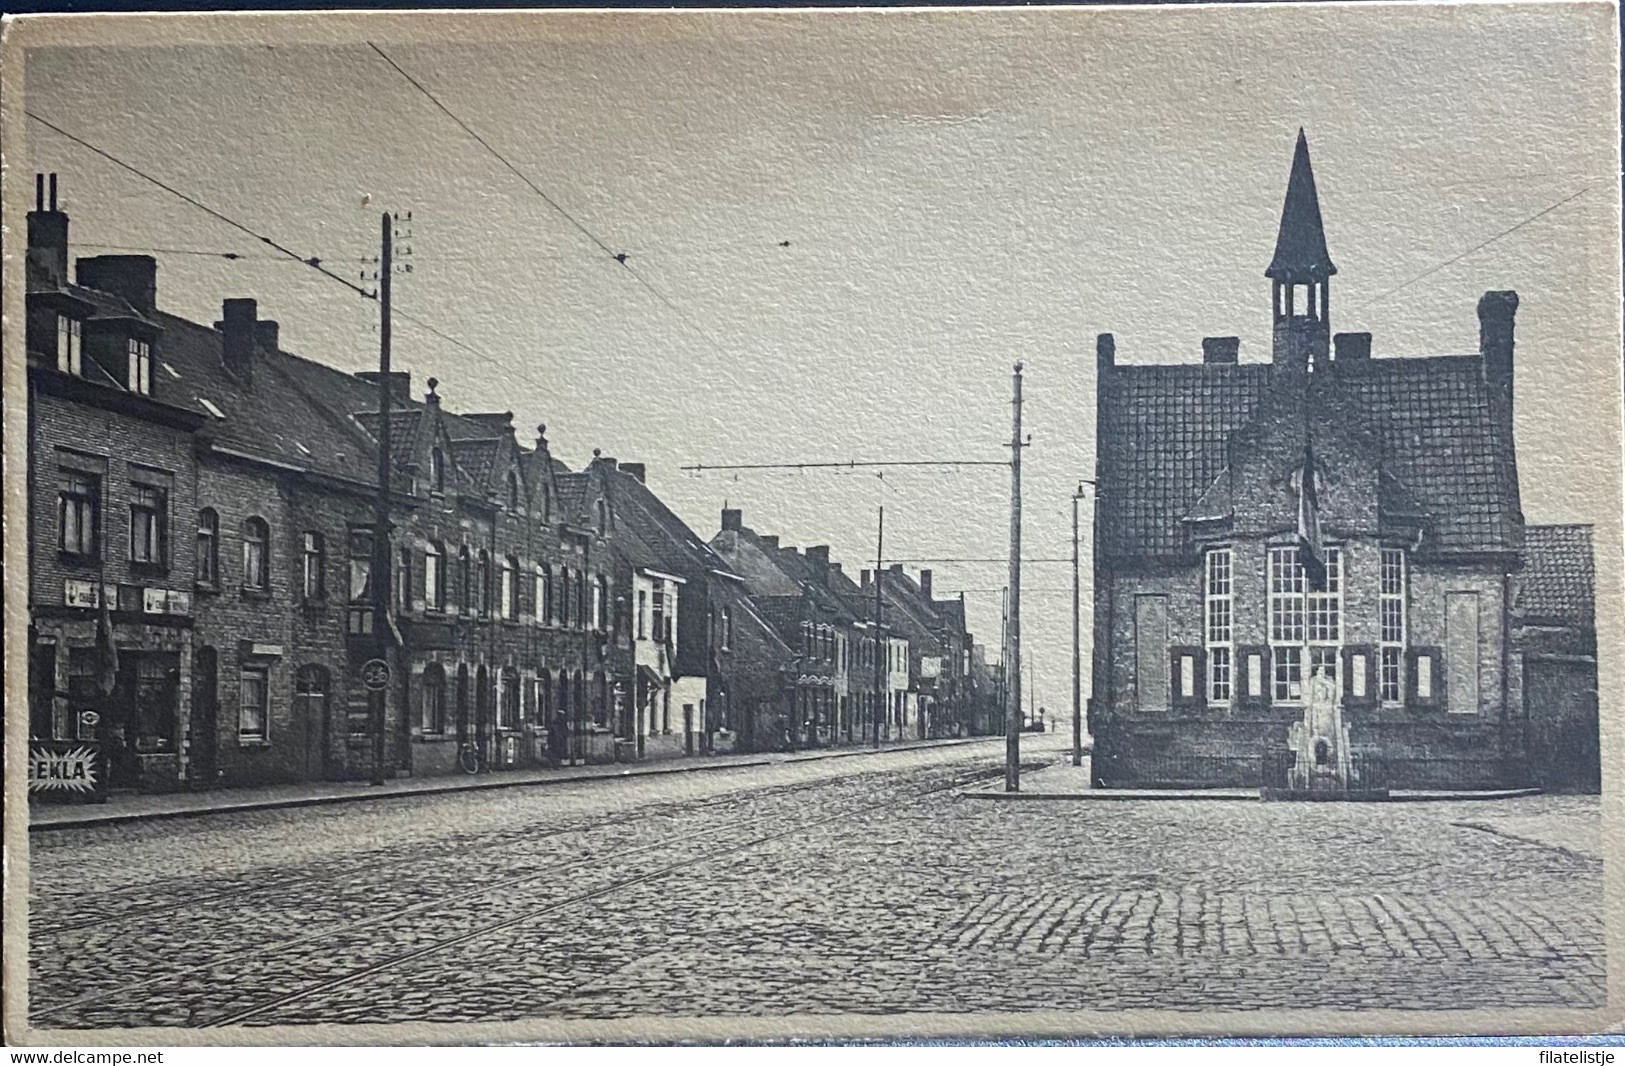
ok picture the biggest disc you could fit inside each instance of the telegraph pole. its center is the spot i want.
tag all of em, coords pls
(1012, 723)
(880, 568)
(1077, 666)
(382, 587)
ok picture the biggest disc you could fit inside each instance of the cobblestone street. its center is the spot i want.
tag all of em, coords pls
(850, 885)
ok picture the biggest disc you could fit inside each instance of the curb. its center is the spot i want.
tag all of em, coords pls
(471, 786)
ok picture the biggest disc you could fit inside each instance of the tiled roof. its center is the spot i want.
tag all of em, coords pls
(268, 418)
(1559, 575)
(573, 492)
(671, 540)
(1165, 433)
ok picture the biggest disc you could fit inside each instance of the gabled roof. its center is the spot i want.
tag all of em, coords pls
(1558, 582)
(1165, 437)
(1300, 248)
(678, 548)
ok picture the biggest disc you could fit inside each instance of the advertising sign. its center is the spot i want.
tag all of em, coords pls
(66, 768)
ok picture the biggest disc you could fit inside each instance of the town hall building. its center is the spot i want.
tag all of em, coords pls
(1323, 522)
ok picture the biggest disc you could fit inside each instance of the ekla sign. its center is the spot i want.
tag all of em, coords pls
(63, 767)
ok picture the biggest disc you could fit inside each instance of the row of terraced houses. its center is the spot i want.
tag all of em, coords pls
(203, 578)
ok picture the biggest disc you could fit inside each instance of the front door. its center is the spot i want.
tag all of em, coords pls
(205, 718)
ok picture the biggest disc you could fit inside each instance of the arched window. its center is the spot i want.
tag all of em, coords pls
(544, 698)
(600, 700)
(437, 470)
(484, 593)
(539, 594)
(563, 616)
(602, 517)
(513, 491)
(465, 580)
(434, 577)
(508, 592)
(547, 502)
(256, 554)
(600, 604)
(434, 699)
(208, 547)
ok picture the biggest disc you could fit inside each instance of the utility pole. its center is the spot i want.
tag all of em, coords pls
(382, 587)
(1012, 724)
(1077, 666)
(880, 568)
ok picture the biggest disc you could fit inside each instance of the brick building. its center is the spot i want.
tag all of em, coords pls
(216, 494)
(1555, 634)
(1209, 627)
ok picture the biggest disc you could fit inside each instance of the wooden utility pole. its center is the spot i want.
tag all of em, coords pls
(1077, 665)
(880, 568)
(382, 587)
(1012, 723)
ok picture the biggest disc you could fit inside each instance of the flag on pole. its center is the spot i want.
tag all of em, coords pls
(106, 647)
(1311, 549)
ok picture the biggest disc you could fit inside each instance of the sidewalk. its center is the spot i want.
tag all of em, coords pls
(140, 808)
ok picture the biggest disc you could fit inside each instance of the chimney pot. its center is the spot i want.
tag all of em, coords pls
(48, 235)
(733, 519)
(1221, 351)
(1351, 347)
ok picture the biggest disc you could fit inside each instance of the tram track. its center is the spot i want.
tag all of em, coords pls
(362, 973)
(457, 850)
(548, 868)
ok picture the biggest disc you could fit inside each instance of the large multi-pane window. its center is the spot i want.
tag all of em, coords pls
(149, 521)
(256, 554)
(1219, 625)
(1391, 677)
(79, 498)
(140, 379)
(544, 593)
(1304, 625)
(253, 720)
(657, 612)
(68, 336)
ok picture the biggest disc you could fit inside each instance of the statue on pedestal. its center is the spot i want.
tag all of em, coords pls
(1320, 741)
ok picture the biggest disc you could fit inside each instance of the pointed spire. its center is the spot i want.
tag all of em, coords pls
(1300, 250)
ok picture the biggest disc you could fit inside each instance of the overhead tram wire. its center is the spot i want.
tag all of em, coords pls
(1453, 260)
(287, 254)
(618, 257)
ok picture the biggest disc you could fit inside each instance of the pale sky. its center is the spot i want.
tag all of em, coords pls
(959, 190)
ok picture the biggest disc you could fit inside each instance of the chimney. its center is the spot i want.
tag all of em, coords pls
(1105, 352)
(733, 519)
(925, 583)
(1221, 351)
(132, 278)
(400, 383)
(819, 557)
(1496, 311)
(864, 578)
(48, 234)
(266, 334)
(635, 469)
(835, 567)
(237, 318)
(771, 542)
(1351, 347)
(897, 568)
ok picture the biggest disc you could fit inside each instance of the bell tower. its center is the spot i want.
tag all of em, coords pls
(1301, 273)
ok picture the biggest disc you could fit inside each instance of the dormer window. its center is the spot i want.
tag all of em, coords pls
(140, 366)
(513, 491)
(68, 337)
(437, 470)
